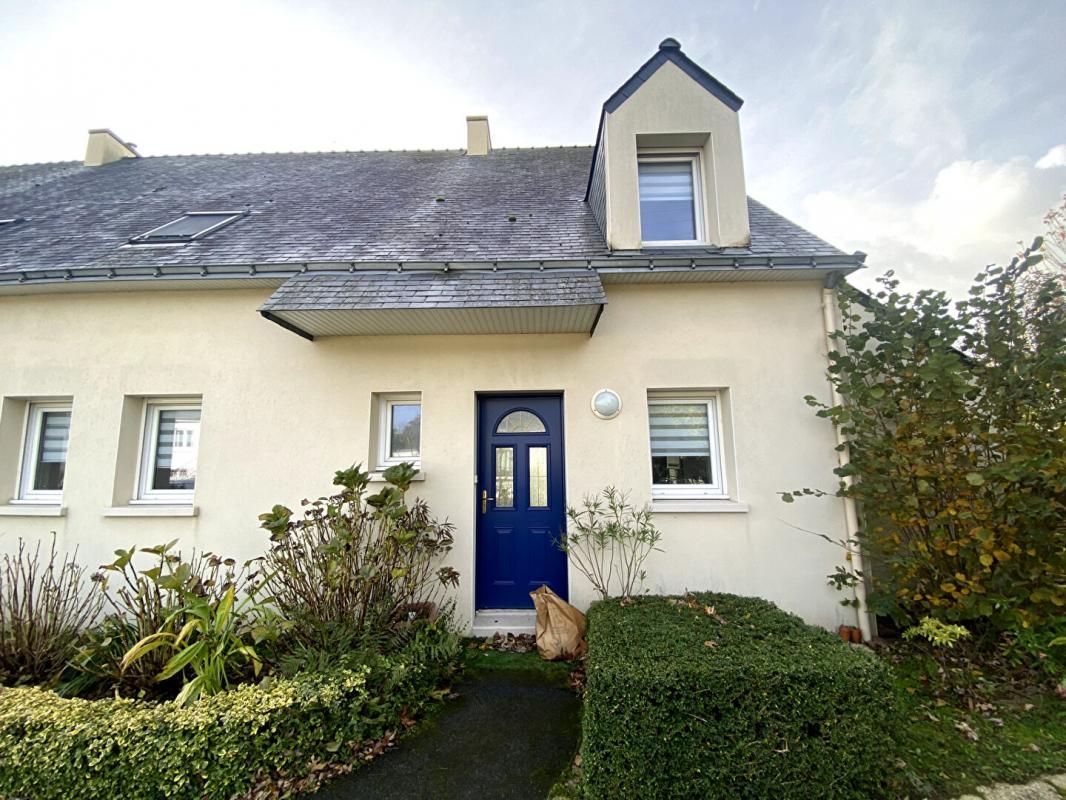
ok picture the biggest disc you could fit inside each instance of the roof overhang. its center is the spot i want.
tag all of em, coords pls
(437, 303)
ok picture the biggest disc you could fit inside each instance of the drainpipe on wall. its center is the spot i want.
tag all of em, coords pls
(851, 514)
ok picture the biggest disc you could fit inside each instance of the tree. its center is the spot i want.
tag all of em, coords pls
(955, 414)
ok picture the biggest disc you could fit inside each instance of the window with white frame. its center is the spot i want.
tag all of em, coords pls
(399, 429)
(686, 452)
(169, 451)
(671, 209)
(44, 453)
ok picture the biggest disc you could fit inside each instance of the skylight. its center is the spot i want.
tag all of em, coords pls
(190, 226)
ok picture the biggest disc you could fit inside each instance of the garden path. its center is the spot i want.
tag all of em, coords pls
(508, 735)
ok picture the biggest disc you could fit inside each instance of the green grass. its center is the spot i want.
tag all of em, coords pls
(942, 760)
(476, 660)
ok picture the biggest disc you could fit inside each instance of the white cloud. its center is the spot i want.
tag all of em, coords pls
(1055, 157)
(972, 214)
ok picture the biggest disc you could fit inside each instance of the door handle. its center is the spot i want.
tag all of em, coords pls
(485, 500)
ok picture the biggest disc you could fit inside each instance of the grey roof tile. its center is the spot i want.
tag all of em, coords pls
(458, 289)
(327, 207)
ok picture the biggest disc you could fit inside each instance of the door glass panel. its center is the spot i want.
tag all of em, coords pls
(538, 477)
(504, 477)
(520, 422)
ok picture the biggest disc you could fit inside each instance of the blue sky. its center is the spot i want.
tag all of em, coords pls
(931, 135)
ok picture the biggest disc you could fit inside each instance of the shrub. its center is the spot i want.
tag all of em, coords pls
(147, 592)
(718, 696)
(44, 605)
(956, 418)
(608, 539)
(218, 747)
(353, 566)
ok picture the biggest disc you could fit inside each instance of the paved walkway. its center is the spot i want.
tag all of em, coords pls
(1050, 787)
(508, 735)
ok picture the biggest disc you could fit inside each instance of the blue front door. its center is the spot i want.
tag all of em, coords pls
(521, 512)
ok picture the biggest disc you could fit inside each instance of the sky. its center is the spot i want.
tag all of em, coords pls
(930, 135)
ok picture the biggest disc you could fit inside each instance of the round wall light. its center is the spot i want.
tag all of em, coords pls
(606, 404)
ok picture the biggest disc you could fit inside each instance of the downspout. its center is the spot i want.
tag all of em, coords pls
(851, 513)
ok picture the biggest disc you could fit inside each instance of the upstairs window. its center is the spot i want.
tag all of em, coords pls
(670, 207)
(194, 225)
(44, 460)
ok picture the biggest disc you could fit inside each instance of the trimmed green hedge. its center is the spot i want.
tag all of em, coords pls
(718, 696)
(52, 747)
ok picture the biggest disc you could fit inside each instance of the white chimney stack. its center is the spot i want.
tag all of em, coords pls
(105, 146)
(478, 142)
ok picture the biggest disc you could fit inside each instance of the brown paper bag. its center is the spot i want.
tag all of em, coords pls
(560, 627)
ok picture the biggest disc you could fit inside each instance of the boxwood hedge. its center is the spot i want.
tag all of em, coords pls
(719, 696)
(54, 747)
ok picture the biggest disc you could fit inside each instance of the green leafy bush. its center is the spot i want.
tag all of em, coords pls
(146, 591)
(956, 418)
(217, 747)
(353, 570)
(717, 696)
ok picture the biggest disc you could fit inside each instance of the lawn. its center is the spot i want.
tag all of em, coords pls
(1011, 735)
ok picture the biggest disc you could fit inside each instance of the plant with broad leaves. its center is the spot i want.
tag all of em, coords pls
(355, 567)
(146, 590)
(955, 417)
(216, 642)
(608, 540)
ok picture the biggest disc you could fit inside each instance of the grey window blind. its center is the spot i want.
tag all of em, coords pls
(55, 433)
(679, 429)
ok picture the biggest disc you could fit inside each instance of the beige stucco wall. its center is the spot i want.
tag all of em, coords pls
(280, 414)
(671, 110)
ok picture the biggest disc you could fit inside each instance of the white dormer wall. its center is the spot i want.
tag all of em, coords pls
(671, 111)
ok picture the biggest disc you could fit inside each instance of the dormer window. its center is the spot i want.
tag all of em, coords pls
(188, 227)
(671, 211)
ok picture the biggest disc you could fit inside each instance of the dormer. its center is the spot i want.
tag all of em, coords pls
(668, 170)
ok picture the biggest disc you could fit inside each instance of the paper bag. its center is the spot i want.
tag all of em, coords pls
(560, 627)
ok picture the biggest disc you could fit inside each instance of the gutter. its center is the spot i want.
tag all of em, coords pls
(851, 513)
(607, 265)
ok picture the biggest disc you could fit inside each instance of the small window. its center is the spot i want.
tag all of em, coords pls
(686, 459)
(399, 429)
(44, 459)
(169, 452)
(194, 225)
(521, 422)
(670, 208)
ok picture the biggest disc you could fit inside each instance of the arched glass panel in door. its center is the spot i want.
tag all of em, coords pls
(521, 422)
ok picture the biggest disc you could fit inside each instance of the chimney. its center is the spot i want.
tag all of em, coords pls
(478, 142)
(104, 147)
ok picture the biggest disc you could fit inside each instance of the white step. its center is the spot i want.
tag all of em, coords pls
(504, 620)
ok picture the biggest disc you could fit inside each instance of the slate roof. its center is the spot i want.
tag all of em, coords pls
(468, 289)
(406, 206)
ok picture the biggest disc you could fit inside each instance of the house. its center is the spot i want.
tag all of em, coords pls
(187, 340)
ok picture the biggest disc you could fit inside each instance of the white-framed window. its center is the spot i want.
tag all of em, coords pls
(399, 429)
(44, 453)
(686, 445)
(671, 203)
(170, 448)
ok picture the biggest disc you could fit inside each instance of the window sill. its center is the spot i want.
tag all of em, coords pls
(698, 506)
(379, 476)
(152, 511)
(32, 510)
